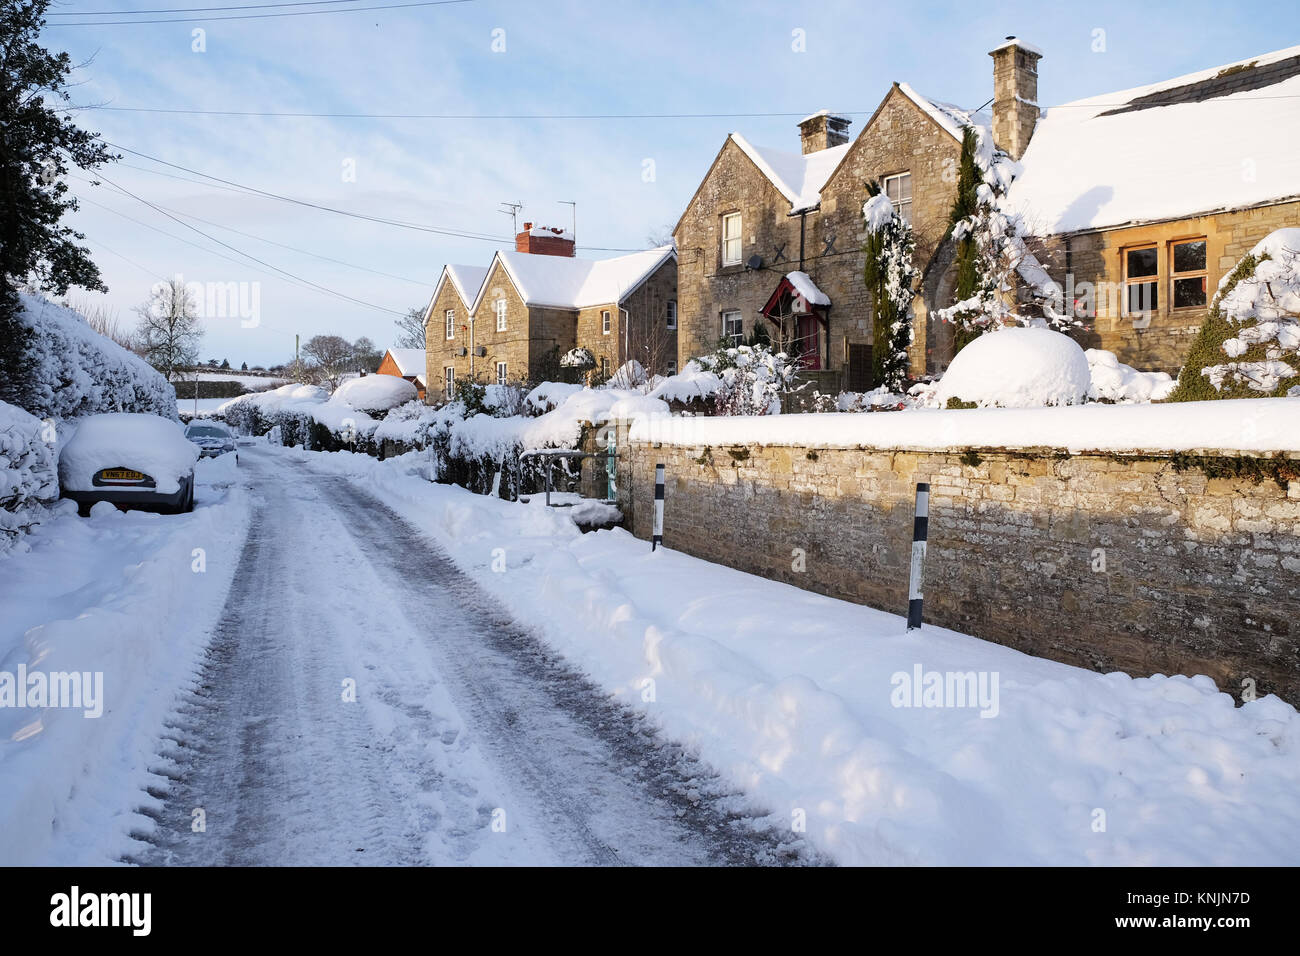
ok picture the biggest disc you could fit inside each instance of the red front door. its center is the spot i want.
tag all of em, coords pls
(808, 341)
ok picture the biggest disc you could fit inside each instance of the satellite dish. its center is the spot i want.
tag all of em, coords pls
(754, 262)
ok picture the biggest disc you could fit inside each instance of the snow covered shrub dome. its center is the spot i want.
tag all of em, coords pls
(1017, 368)
(375, 393)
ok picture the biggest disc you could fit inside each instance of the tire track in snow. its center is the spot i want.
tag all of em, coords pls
(461, 712)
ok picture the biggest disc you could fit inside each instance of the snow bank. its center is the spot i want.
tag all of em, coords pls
(1017, 368)
(146, 443)
(76, 371)
(374, 393)
(1259, 425)
(28, 473)
(794, 698)
(111, 595)
(1114, 381)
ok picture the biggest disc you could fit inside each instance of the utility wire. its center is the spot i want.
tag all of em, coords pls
(254, 16)
(247, 6)
(418, 227)
(237, 251)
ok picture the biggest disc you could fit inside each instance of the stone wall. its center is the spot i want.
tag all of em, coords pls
(1142, 564)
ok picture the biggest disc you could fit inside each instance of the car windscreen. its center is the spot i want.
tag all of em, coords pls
(205, 431)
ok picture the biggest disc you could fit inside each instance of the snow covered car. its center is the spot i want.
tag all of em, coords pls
(131, 460)
(212, 437)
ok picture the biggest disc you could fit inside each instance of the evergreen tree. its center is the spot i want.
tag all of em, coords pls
(890, 275)
(964, 207)
(36, 147)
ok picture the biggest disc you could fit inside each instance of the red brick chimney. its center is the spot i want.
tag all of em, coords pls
(544, 241)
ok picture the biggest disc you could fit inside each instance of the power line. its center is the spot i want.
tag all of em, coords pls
(418, 227)
(248, 6)
(176, 238)
(308, 114)
(256, 16)
(237, 251)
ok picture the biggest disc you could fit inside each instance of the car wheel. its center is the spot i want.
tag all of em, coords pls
(189, 498)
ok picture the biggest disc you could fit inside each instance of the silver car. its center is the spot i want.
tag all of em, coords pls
(212, 437)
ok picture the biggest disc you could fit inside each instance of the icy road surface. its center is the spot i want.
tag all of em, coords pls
(467, 741)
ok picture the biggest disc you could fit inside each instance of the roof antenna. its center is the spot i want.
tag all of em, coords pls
(511, 209)
(574, 204)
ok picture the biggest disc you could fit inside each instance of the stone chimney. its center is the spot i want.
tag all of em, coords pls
(1015, 95)
(544, 241)
(822, 130)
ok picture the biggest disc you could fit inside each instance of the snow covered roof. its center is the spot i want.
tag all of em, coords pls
(1223, 138)
(408, 361)
(805, 286)
(467, 280)
(798, 176)
(951, 118)
(564, 282)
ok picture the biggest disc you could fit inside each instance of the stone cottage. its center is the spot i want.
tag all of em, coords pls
(1147, 195)
(515, 319)
(1151, 195)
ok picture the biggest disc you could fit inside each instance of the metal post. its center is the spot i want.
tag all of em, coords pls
(549, 461)
(920, 532)
(611, 463)
(657, 538)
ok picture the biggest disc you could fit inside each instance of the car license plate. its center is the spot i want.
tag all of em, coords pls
(120, 474)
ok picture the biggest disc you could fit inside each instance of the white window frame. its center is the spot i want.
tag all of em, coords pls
(728, 238)
(500, 307)
(450, 318)
(502, 374)
(739, 320)
(605, 322)
(672, 315)
(901, 206)
(449, 381)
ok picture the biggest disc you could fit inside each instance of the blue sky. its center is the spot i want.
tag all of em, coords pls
(567, 58)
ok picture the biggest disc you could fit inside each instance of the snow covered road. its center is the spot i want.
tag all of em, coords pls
(365, 702)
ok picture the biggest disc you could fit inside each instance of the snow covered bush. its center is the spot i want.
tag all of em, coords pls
(1017, 368)
(993, 259)
(1249, 345)
(1113, 381)
(28, 475)
(374, 393)
(890, 275)
(69, 370)
(751, 379)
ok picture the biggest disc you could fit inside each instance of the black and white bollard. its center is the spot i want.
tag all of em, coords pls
(920, 531)
(657, 538)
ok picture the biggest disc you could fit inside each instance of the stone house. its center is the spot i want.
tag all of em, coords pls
(515, 319)
(1186, 199)
(1150, 196)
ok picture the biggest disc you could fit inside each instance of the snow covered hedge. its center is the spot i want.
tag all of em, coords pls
(1249, 345)
(69, 370)
(1017, 368)
(28, 472)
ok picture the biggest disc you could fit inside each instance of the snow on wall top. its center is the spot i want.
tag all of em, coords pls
(409, 361)
(798, 177)
(1222, 138)
(565, 282)
(1244, 425)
